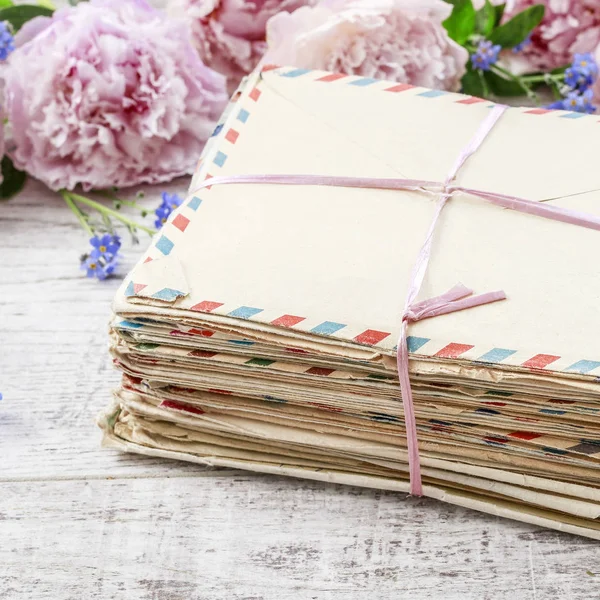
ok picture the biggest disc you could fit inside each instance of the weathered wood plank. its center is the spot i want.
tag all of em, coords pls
(55, 372)
(245, 536)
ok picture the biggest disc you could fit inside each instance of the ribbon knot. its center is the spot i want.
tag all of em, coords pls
(457, 298)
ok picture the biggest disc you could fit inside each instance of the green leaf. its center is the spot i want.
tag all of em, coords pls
(515, 31)
(499, 10)
(501, 86)
(17, 16)
(5, 3)
(473, 83)
(47, 4)
(485, 19)
(461, 23)
(13, 179)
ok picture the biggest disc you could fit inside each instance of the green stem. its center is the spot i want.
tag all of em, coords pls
(555, 90)
(131, 203)
(484, 85)
(524, 80)
(516, 79)
(544, 78)
(113, 213)
(77, 212)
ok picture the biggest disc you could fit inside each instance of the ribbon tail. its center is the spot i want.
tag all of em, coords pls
(414, 463)
(429, 308)
(539, 209)
(455, 293)
(462, 304)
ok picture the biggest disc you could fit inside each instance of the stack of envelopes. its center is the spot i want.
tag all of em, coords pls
(259, 330)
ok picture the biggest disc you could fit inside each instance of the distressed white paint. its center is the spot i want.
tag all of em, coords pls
(80, 522)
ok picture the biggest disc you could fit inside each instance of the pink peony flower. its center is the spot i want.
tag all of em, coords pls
(399, 40)
(230, 34)
(109, 93)
(569, 26)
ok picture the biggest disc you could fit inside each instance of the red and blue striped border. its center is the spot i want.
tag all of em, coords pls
(388, 86)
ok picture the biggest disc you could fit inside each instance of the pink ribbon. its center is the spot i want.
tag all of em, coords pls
(457, 298)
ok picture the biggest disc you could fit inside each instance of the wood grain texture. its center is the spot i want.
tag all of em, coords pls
(80, 522)
(55, 372)
(236, 536)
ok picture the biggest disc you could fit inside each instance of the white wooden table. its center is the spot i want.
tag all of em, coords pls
(81, 523)
(78, 522)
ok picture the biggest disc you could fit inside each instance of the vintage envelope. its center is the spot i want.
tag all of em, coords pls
(334, 262)
(259, 330)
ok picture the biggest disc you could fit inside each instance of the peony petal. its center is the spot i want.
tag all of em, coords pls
(400, 40)
(110, 93)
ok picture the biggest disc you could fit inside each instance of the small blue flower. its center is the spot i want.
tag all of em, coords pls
(162, 214)
(556, 105)
(580, 102)
(585, 63)
(486, 55)
(99, 267)
(576, 101)
(575, 80)
(169, 203)
(105, 247)
(519, 47)
(171, 200)
(7, 42)
(582, 72)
